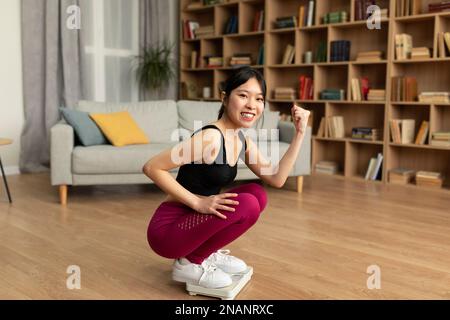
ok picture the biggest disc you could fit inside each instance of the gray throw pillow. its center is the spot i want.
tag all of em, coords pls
(85, 128)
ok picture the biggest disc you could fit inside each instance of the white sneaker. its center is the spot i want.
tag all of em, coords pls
(227, 263)
(206, 275)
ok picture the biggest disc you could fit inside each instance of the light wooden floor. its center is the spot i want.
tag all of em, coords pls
(315, 245)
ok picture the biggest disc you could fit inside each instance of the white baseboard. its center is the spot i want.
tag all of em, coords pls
(12, 170)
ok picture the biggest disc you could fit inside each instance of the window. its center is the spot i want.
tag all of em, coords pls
(110, 35)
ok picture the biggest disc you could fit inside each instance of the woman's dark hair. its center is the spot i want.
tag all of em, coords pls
(239, 77)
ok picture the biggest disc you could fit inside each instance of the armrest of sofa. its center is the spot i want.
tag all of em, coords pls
(61, 146)
(302, 165)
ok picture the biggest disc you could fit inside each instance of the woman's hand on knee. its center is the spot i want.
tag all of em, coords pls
(210, 205)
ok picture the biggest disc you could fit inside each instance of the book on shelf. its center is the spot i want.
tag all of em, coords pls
(321, 52)
(440, 138)
(442, 6)
(443, 44)
(340, 50)
(327, 167)
(289, 54)
(366, 133)
(374, 168)
(408, 7)
(404, 88)
(306, 88)
(331, 127)
(401, 175)
(310, 16)
(376, 95)
(360, 88)
(241, 59)
(332, 94)
(212, 2)
(361, 9)
(213, 61)
(286, 22)
(422, 133)
(434, 97)
(189, 28)
(335, 17)
(420, 53)
(194, 59)
(429, 179)
(284, 93)
(258, 22)
(369, 56)
(403, 46)
(194, 4)
(204, 31)
(260, 59)
(232, 25)
(402, 130)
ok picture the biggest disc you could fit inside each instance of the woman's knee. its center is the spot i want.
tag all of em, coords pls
(260, 193)
(248, 206)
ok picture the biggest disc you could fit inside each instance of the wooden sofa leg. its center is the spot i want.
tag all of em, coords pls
(63, 194)
(299, 184)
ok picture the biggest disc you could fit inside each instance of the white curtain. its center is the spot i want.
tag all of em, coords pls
(111, 32)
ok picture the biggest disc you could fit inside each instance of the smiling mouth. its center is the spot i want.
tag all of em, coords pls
(247, 115)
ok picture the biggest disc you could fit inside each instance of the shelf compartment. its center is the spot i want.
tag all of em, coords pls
(247, 15)
(309, 40)
(324, 7)
(440, 118)
(234, 45)
(276, 46)
(364, 115)
(278, 77)
(383, 4)
(284, 8)
(203, 17)
(375, 39)
(417, 112)
(197, 81)
(328, 150)
(425, 159)
(375, 73)
(358, 156)
(186, 53)
(210, 47)
(422, 32)
(330, 77)
(223, 14)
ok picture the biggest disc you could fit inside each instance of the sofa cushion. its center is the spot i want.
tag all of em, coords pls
(120, 128)
(158, 119)
(108, 159)
(87, 131)
(193, 111)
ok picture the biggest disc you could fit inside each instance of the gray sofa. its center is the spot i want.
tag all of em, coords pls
(105, 164)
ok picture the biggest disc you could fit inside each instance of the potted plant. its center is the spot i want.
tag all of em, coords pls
(155, 67)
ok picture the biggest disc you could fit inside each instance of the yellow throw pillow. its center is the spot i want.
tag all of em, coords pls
(119, 128)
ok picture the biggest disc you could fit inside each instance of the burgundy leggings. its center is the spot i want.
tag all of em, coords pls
(177, 230)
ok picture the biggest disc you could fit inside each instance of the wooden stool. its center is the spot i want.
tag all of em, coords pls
(4, 142)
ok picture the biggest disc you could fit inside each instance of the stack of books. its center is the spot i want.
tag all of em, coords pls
(189, 28)
(404, 89)
(408, 7)
(365, 133)
(306, 88)
(374, 168)
(204, 31)
(361, 9)
(332, 94)
(213, 61)
(241, 59)
(258, 22)
(439, 6)
(331, 127)
(286, 22)
(369, 56)
(420, 53)
(402, 130)
(429, 179)
(403, 46)
(321, 52)
(401, 176)
(441, 138)
(434, 97)
(284, 93)
(422, 134)
(340, 50)
(360, 88)
(232, 25)
(335, 17)
(306, 15)
(376, 95)
(444, 44)
(289, 54)
(327, 167)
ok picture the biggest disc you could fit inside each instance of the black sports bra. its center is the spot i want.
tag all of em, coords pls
(208, 179)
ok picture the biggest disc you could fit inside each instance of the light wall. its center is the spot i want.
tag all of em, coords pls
(11, 97)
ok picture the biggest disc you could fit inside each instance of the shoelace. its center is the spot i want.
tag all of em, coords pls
(208, 270)
(222, 254)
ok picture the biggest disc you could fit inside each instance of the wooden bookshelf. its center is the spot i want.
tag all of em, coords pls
(352, 155)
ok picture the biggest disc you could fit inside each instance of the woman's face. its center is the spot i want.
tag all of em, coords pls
(245, 104)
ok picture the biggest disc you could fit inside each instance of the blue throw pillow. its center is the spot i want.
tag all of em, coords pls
(85, 128)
